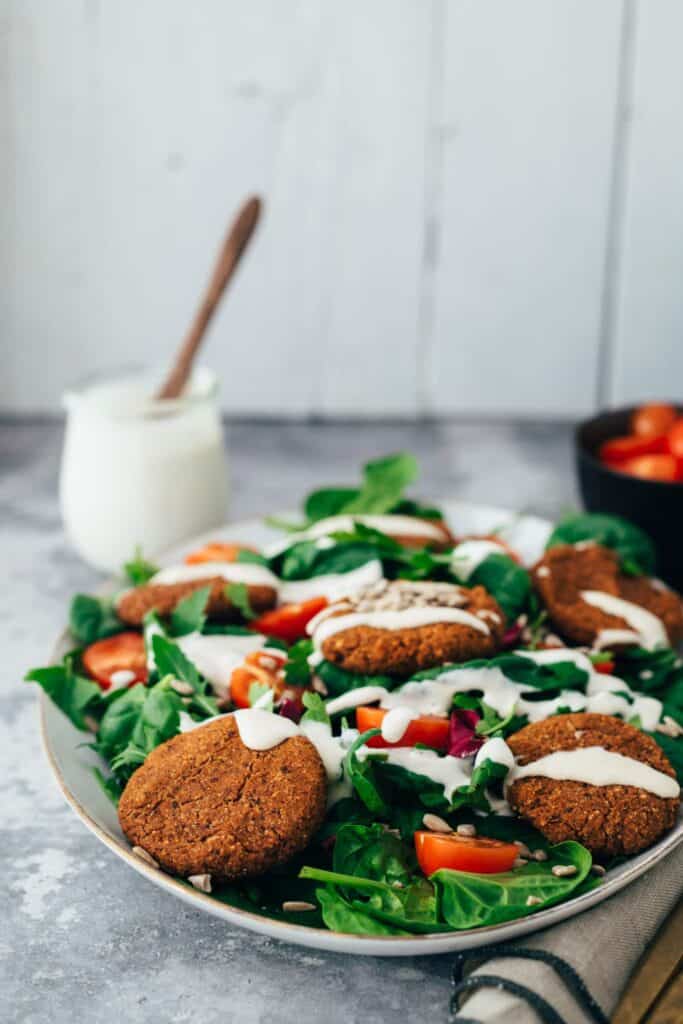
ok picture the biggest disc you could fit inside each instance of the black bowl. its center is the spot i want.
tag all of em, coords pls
(655, 506)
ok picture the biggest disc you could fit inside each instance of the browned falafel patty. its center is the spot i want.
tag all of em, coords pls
(133, 605)
(203, 802)
(369, 650)
(608, 820)
(566, 569)
(413, 541)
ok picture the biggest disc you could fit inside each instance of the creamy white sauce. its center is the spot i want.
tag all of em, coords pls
(449, 772)
(331, 748)
(261, 730)
(355, 698)
(598, 767)
(469, 554)
(495, 750)
(217, 655)
(608, 638)
(333, 586)
(650, 628)
(393, 526)
(121, 678)
(396, 722)
(409, 618)
(151, 629)
(232, 572)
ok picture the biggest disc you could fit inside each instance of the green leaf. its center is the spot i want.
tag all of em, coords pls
(315, 708)
(238, 595)
(171, 661)
(157, 720)
(109, 786)
(506, 581)
(673, 748)
(385, 480)
(139, 570)
(75, 695)
(338, 681)
(469, 900)
(93, 618)
(328, 501)
(297, 669)
(371, 851)
(341, 916)
(361, 775)
(189, 615)
(635, 549)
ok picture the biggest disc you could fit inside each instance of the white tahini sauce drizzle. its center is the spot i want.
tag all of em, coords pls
(495, 750)
(409, 618)
(396, 722)
(449, 772)
(217, 655)
(469, 554)
(333, 586)
(261, 730)
(598, 767)
(393, 526)
(231, 572)
(650, 628)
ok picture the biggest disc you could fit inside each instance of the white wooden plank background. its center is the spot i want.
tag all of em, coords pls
(471, 205)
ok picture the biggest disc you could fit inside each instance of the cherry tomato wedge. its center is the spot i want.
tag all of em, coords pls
(124, 652)
(618, 449)
(675, 439)
(289, 622)
(463, 853)
(653, 419)
(428, 729)
(216, 551)
(606, 668)
(264, 667)
(651, 467)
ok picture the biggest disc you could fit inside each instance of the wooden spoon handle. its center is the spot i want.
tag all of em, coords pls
(228, 259)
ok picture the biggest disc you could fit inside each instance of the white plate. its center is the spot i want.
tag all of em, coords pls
(72, 764)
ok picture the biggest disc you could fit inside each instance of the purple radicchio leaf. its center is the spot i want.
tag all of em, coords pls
(462, 739)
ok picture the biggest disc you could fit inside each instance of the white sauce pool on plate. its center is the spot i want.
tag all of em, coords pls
(648, 627)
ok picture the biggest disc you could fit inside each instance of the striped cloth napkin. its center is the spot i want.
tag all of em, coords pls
(603, 945)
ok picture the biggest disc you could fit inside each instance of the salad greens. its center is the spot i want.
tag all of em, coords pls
(635, 549)
(93, 618)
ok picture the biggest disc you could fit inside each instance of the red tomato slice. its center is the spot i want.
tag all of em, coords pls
(264, 667)
(675, 439)
(216, 551)
(617, 449)
(463, 853)
(124, 652)
(289, 622)
(653, 419)
(428, 729)
(651, 467)
(606, 668)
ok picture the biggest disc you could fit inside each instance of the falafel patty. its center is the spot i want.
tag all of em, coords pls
(371, 650)
(203, 802)
(567, 569)
(133, 605)
(609, 820)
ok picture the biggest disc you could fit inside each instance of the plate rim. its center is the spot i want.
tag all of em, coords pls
(430, 943)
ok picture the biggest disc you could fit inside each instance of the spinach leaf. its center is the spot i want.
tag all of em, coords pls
(635, 549)
(119, 721)
(305, 559)
(73, 694)
(238, 594)
(189, 615)
(93, 618)
(412, 907)
(328, 501)
(109, 786)
(469, 900)
(371, 851)
(244, 555)
(673, 748)
(361, 775)
(384, 481)
(157, 719)
(338, 681)
(340, 915)
(139, 570)
(505, 580)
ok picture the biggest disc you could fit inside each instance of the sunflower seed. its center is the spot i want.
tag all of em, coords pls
(143, 855)
(520, 862)
(297, 906)
(539, 855)
(466, 830)
(181, 687)
(597, 869)
(436, 824)
(533, 901)
(563, 870)
(201, 882)
(523, 848)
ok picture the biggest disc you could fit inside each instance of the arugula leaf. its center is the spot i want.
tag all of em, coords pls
(635, 549)
(75, 695)
(315, 708)
(171, 661)
(93, 618)
(238, 594)
(469, 900)
(189, 615)
(297, 669)
(505, 580)
(139, 570)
